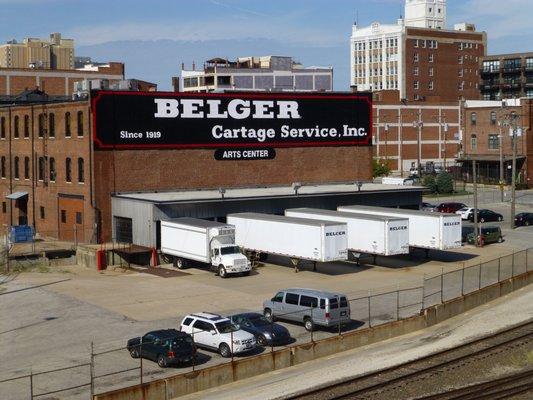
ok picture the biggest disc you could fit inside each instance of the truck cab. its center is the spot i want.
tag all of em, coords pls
(228, 259)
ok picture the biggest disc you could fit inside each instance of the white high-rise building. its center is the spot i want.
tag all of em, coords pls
(377, 52)
(425, 13)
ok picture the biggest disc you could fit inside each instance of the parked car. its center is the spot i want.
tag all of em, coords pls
(266, 332)
(523, 219)
(465, 212)
(165, 347)
(215, 332)
(465, 231)
(450, 207)
(489, 234)
(428, 207)
(312, 307)
(486, 216)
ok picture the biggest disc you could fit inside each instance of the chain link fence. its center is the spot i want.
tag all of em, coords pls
(113, 367)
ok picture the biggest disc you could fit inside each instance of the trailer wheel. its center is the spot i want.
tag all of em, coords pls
(178, 263)
(222, 271)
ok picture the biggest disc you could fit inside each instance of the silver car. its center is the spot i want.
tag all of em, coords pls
(312, 307)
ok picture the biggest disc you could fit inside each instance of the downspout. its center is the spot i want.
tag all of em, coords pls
(33, 180)
(10, 170)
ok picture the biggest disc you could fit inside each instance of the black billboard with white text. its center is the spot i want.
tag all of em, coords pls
(138, 120)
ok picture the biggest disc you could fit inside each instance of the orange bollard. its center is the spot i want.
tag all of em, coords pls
(101, 261)
(154, 259)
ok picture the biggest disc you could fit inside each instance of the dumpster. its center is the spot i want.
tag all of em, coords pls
(21, 234)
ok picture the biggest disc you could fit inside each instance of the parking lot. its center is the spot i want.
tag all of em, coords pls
(50, 319)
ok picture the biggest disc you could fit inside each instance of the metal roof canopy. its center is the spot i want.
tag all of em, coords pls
(16, 195)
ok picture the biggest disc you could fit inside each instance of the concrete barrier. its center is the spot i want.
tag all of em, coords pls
(182, 384)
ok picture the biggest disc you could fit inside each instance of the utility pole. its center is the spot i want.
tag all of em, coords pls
(419, 124)
(474, 181)
(502, 178)
(513, 177)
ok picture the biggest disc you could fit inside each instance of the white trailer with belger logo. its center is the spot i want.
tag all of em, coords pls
(190, 240)
(427, 230)
(296, 238)
(368, 234)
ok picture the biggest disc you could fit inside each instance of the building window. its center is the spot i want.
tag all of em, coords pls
(16, 134)
(78, 218)
(64, 216)
(26, 126)
(493, 117)
(431, 85)
(3, 128)
(41, 169)
(41, 212)
(67, 125)
(80, 123)
(529, 63)
(4, 207)
(416, 42)
(416, 70)
(494, 142)
(81, 173)
(423, 44)
(473, 142)
(52, 166)
(26, 167)
(52, 125)
(42, 125)
(461, 73)
(68, 169)
(473, 118)
(416, 85)
(431, 57)
(431, 71)
(416, 57)
(3, 167)
(17, 168)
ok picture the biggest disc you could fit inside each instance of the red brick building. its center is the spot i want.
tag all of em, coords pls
(55, 82)
(63, 182)
(487, 139)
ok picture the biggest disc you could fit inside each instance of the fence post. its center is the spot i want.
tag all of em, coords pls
(141, 361)
(75, 236)
(424, 292)
(232, 345)
(31, 384)
(195, 352)
(272, 334)
(463, 283)
(499, 265)
(479, 283)
(512, 266)
(442, 286)
(398, 302)
(92, 370)
(311, 309)
(369, 314)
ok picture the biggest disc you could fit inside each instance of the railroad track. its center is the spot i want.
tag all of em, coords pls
(383, 383)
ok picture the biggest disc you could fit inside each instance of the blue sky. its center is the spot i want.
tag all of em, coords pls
(153, 37)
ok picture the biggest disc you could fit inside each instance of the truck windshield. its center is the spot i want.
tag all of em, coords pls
(230, 250)
(227, 327)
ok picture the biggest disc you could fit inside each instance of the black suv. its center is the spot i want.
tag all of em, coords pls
(165, 347)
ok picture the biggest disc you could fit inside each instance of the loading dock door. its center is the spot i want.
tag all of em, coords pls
(123, 230)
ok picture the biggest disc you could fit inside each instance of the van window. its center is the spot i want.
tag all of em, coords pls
(203, 326)
(278, 298)
(187, 321)
(291, 298)
(344, 303)
(322, 304)
(308, 301)
(333, 304)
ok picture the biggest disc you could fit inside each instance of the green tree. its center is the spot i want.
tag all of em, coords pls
(380, 168)
(429, 182)
(444, 183)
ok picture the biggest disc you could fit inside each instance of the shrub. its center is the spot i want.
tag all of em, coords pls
(444, 183)
(380, 168)
(429, 182)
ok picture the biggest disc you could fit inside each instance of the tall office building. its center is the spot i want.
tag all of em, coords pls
(418, 56)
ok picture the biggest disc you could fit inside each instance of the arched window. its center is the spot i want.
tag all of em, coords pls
(67, 125)
(3, 167)
(41, 169)
(26, 167)
(16, 127)
(26, 126)
(473, 118)
(42, 125)
(493, 117)
(17, 168)
(52, 166)
(51, 125)
(80, 123)
(68, 169)
(81, 173)
(3, 127)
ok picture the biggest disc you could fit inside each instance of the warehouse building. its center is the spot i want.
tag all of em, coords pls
(86, 170)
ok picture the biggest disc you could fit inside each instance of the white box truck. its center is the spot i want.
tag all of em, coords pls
(189, 240)
(369, 234)
(296, 238)
(427, 230)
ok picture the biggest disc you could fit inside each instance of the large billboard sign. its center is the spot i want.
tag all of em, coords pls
(140, 120)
